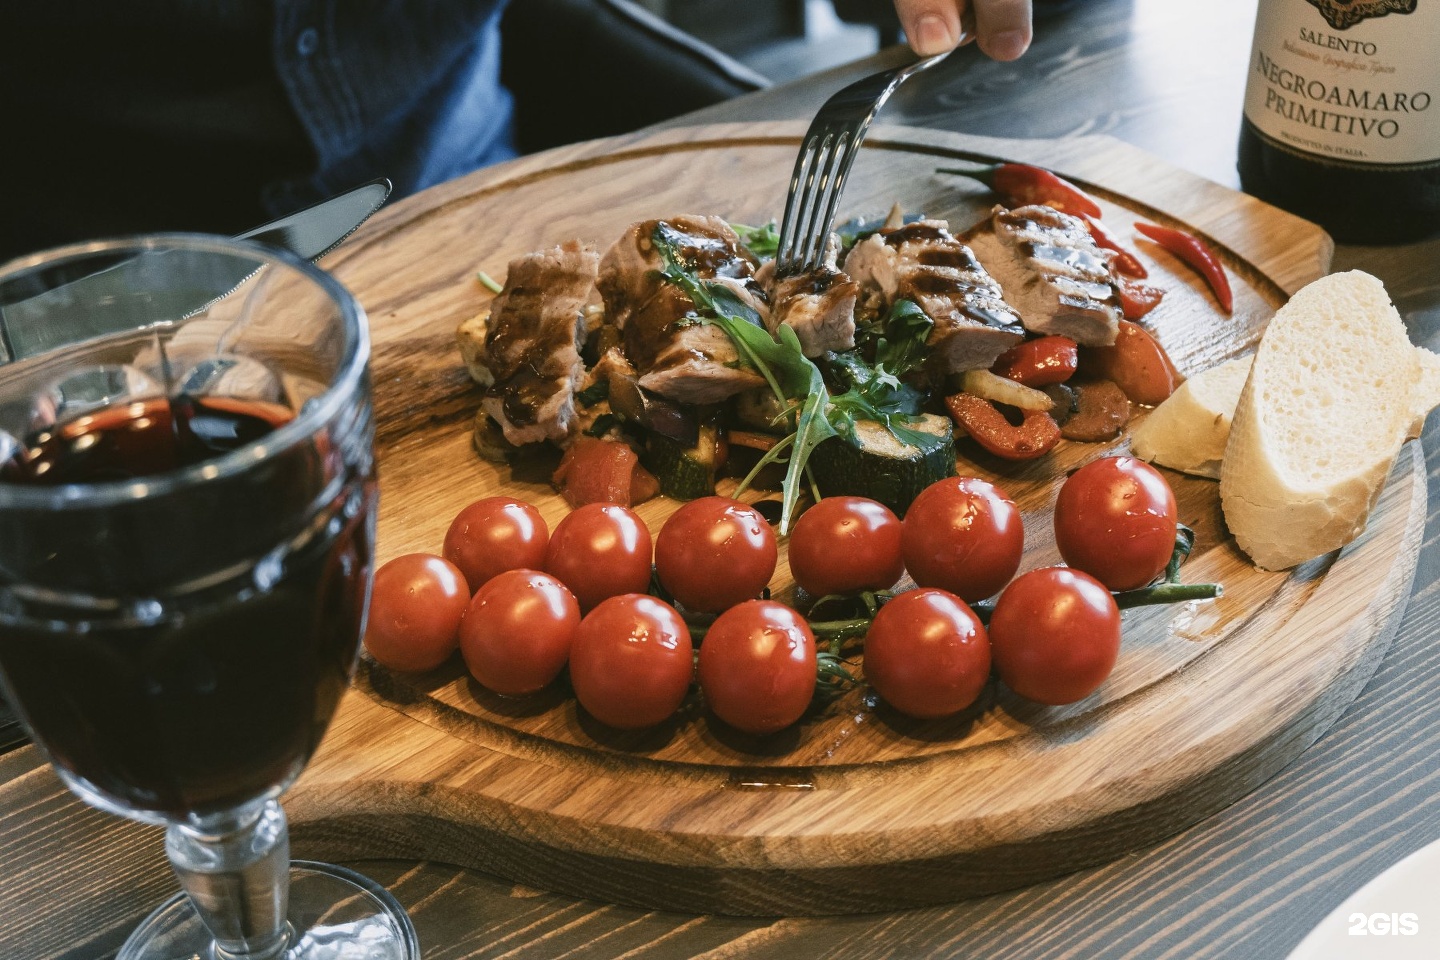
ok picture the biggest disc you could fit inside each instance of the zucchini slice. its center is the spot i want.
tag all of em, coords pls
(685, 473)
(882, 468)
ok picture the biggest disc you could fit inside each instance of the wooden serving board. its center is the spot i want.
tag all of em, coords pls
(856, 808)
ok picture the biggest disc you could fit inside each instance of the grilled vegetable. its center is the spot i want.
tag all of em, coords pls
(685, 473)
(1035, 436)
(988, 386)
(879, 466)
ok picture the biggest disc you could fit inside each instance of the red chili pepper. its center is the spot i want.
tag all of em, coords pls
(1035, 436)
(1021, 184)
(1193, 251)
(1039, 362)
(1124, 262)
(1136, 298)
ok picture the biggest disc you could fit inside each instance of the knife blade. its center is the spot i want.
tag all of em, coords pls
(310, 233)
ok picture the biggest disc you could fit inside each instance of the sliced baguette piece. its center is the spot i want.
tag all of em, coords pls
(1188, 431)
(1335, 390)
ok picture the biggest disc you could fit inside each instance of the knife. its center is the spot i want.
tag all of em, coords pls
(310, 233)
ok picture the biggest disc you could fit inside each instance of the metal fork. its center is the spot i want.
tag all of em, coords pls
(826, 156)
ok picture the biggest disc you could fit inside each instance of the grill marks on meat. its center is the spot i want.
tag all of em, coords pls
(687, 361)
(532, 343)
(923, 262)
(819, 305)
(1052, 273)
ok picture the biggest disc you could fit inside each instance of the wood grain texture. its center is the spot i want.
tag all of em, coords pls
(1245, 884)
(857, 808)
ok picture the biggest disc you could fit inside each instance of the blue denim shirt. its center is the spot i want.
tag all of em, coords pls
(216, 115)
(405, 89)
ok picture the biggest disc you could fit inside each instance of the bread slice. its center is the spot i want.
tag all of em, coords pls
(1335, 390)
(1189, 430)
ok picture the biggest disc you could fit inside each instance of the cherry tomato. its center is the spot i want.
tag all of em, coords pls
(632, 661)
(757, 666)
(494, 535)
(927, 654)
(846, 544)
(600, 550)
(1055, 635)
(415, 610)
(963, 535)
(714, 553)
(1115, 519)
(518, 631)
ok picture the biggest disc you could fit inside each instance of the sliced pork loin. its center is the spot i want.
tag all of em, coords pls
(924, 263)
(819, 304)
(1052, 273)
(686, 361)
(532, 343)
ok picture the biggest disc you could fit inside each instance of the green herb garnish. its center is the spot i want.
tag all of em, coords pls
(761, 241)
(488, 282)
(814, 416)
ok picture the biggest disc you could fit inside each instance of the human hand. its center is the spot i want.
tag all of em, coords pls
(1002, 27)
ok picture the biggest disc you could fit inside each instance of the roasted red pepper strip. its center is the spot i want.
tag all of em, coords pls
(1193, 251)
(1039, 362)
(1035, 436)
(1124, 262)
(1021, 184)
(1136, 298)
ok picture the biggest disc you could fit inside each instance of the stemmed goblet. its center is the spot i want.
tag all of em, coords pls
(187, 506)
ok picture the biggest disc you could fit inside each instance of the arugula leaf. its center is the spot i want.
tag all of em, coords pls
(764, 241)
(875, 392)
(900, 347)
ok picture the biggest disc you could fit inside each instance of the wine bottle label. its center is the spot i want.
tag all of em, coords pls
(1353, 80)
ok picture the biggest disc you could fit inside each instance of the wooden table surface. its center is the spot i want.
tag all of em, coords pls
(1248, 883)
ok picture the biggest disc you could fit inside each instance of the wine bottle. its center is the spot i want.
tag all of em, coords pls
(1342, 115)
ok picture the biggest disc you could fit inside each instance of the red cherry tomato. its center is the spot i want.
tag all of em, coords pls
(599, 551)
(518, 630)
(1115, 519)
(846, 544)
(1055, 635)
(415, 610)
(927, 654)
(757, 666)
(494, 535)
(632, 661)
(714, 553)
(963, 535)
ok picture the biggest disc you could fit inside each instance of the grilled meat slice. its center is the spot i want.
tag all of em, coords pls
(532, 343)
(684, 360)
(819, 304)
(924, 263)
(1052, 272)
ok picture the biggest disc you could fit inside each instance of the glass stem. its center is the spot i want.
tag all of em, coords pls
(237, 875)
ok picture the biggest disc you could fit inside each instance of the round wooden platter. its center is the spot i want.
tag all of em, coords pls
(856, 808)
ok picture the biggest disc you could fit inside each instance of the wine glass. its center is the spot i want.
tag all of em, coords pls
(187, 512)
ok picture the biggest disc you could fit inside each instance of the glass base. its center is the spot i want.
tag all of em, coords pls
(334, 914)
